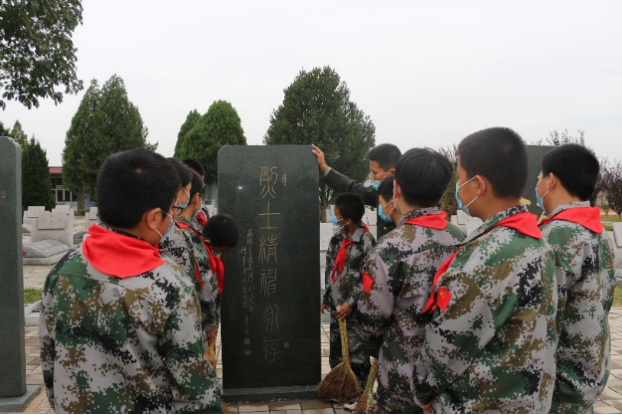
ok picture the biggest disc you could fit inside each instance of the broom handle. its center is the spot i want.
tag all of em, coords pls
(371, 379)
(345, 348)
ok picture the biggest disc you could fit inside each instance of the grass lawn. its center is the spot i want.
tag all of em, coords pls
(31, 295)
(614, 218)
(617, 297)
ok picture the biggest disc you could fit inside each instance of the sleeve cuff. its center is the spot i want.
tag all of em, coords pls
(327, 171)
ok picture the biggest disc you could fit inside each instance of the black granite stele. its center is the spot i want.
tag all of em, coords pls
(535, 154)
(14, 396)
(270, 307)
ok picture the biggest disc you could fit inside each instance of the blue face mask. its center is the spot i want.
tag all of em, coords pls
(197, 213)
(464, 208)
(334, 219)
(386, 218)
(185, 205)
(375, 184)
(171, 226)
(539, 199)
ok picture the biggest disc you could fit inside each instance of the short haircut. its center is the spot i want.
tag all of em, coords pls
(351, 206)
(222, 231)
(576, 167)
(500, 155)
(182, 170)
(197, 185)
(386, 188)
(133, 182)
(423, 175)
(386, 155)
(195, 165)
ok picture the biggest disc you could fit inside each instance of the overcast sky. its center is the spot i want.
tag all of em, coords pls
(427, 72)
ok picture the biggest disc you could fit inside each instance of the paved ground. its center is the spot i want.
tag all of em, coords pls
(611, 399)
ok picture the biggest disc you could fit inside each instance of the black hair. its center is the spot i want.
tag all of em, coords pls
(351, 206)
(222, 231)
(423, 175)
(196, 166)
(386, 155)
(182, 170)
(386, 188)
(500, 155)
(197, 183)
(576, 167)
(133, 182)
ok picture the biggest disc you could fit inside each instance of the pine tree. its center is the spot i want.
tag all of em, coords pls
(36, 181)
(18, 134)
(181, 150)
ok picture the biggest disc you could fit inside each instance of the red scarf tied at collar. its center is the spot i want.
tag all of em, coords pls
(201, 219)
(340, 261)
(525, 223)
(215, 263)
(434, 221)
(588, 217)
(119, 255)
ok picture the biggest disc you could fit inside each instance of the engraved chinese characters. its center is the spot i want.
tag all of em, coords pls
(269, 316)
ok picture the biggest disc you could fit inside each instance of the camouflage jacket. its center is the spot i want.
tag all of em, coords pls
(347, 286)
(491, 348)
(196, 223)
(111, 345)
(185, 247)
(586, 287)
(402, 266)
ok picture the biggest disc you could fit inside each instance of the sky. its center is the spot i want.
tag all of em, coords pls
(428, 73)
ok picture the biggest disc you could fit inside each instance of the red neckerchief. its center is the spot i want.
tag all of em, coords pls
(525, 223)
(588, 217)
(218, 268)
(434, 221)
(197, 272)
(340, 260)
(201, 219)
(119, 255)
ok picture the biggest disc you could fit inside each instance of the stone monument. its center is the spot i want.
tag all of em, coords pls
(14, 394)
(270, 307)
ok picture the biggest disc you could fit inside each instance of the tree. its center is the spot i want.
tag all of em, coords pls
(191, 120)
(36, 181)
(612, 183)
(82, 134)
(106, 123)
(36, 51)
(557, 139)
(448, 203)
(220, 126)
(316, 109)
(18, 134)
(3, 131)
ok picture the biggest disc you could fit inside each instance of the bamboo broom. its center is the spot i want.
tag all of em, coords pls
(365, 405)
(340, 384)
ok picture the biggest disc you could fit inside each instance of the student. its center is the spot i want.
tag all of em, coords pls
(387, 206)
(220, 234)
(201, 218)
(490, 344)
(398, 274)
(585, 276)
(206, 286)
(119, 324)
(347, 249)
(382, 161)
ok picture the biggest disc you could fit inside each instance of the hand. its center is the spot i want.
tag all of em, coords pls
(344, 311)
(321, 161)
(211, 335)
(427, 408)
(324, 307)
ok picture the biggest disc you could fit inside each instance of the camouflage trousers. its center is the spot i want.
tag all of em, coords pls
(359, 360)
(559, 407)
(387, 404)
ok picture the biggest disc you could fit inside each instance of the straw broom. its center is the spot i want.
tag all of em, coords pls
(210, 355)
(365, 405)
(340, 384)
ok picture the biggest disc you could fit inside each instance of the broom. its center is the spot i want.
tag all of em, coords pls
(340, 384)
(210, 355)
(365, 405)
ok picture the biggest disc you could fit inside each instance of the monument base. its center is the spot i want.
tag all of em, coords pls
(284, 393)
(19, 403)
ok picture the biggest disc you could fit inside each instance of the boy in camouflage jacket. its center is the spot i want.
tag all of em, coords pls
(398, 275)
(585, 276)
(120, 326)
(348, 248)
(490, 344)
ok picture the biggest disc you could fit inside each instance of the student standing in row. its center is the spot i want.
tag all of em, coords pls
(490, 344)
(398, 274)
(585, 276)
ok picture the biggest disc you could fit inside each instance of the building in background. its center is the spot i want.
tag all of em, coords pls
(62, 195)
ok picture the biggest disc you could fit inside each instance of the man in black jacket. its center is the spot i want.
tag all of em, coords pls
(382, 161)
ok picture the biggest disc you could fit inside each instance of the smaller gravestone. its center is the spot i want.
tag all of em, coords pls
(32, 214)
(44, 252)
(55, 226)
(462, 217)
(327, 230)
(472, 224)
(371, 218)
(91, 217)
(617, 234)
(62, 209)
